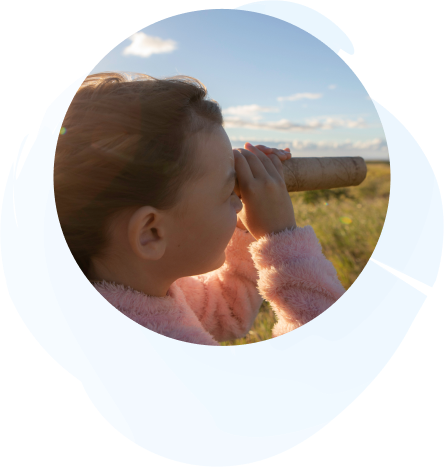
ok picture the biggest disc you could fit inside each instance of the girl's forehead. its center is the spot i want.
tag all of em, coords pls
(215, 147)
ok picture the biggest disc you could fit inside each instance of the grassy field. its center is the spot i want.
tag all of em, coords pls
(347, 222)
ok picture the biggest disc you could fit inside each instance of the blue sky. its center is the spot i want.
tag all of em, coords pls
(277, 84)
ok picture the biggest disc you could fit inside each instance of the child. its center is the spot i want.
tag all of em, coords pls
(148, 192)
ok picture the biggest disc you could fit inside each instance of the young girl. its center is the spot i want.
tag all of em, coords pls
(148, 192)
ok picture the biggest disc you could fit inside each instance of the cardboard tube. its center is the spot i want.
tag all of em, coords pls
(323, 173)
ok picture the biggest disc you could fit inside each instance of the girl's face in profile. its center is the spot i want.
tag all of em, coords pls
(211, 206)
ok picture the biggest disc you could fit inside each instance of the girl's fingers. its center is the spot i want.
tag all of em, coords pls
(242, 167)
(278, 164)
(261, 147)
(264, 166)
(282, 154)
(264, 149)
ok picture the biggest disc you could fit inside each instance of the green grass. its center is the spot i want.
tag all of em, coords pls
(347, 222)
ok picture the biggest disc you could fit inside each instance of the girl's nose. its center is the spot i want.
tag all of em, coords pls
(239, 205)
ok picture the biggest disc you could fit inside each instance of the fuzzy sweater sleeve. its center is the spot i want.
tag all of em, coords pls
(226, 301)
(295, 277)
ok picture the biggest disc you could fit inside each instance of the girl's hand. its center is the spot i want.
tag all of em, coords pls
(283, 156)
(261, 186)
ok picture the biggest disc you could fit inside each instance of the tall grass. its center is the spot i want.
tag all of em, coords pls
(347, 222)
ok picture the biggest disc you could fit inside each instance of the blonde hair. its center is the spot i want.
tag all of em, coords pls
(125, 143)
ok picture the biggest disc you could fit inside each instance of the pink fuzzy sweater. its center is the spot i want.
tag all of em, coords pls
(287, 269)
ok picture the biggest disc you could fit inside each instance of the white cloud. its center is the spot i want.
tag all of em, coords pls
(144, 46)
(328, 123)
(299, 96)
(252, 112)
(321, 123)
(332, 86)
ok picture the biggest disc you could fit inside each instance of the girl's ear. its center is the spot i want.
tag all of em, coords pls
(146, 233)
